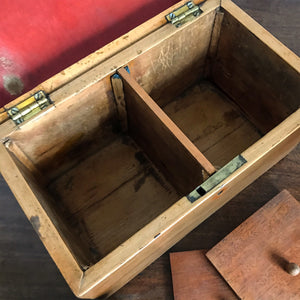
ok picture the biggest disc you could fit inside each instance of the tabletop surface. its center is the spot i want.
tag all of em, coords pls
(27, 271)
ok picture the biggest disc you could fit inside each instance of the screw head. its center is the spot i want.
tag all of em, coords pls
(190, 4)
(19, 121)
(14, 110)
(172, 16)
(38, 96)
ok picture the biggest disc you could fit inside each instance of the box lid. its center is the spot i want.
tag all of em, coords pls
(127, 15)
(256, 258)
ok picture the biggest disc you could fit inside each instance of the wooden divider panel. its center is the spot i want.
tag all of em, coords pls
(165, 144)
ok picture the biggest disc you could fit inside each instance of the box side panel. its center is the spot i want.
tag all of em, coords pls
(177, 62)
(73, 129)
(33, 201)
(143, 248)
(255, 70)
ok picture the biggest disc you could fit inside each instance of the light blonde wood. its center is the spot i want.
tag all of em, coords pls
(6, 129)
(164, 142)
(140, 250)
(81, 127)
(3, 115)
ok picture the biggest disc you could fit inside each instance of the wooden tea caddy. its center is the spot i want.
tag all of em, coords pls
(118, 157)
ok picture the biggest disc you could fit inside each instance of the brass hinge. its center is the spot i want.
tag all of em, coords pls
(29, 107)
(184, 14)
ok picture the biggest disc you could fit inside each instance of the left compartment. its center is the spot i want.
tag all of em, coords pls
(99, 179)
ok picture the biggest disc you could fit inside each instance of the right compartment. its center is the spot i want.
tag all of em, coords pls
(213, 122)
(241, 90)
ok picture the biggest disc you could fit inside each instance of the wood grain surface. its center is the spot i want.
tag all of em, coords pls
(253, 258)
(254, 76)
(27, 271)
(212, 122)
(162, 135)
(102, 195)
(194, 278)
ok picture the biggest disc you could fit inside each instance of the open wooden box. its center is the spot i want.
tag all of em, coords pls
(136, 148)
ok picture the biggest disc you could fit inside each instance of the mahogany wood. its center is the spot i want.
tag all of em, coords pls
(253, 259)
(194, 278)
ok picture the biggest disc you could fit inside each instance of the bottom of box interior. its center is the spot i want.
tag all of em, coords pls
(212, 122)
(113, 193)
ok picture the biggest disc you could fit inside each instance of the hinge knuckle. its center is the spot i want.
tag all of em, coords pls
(184, 14)
(29, 107)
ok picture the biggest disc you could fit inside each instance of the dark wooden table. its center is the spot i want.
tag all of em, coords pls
(26, 269)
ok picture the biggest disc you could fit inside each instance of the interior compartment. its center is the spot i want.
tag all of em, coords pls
(225, 93)
(212, 122)
(112, 194)
(219, 84)
(101, 184)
